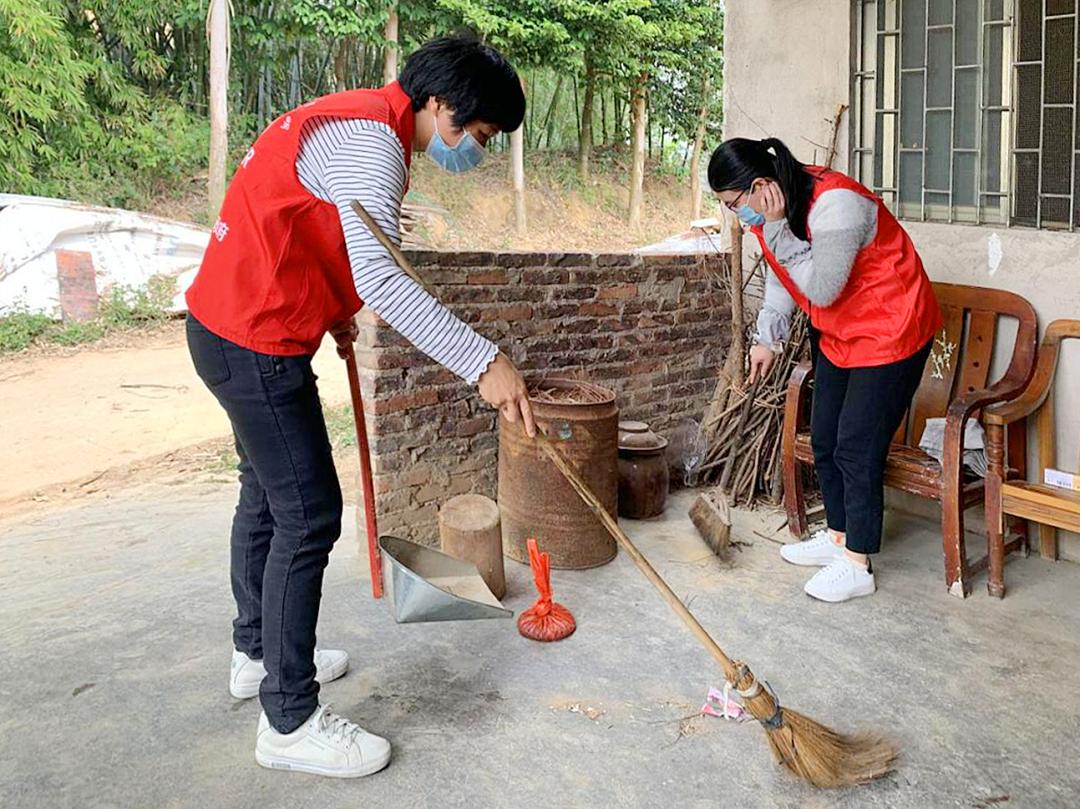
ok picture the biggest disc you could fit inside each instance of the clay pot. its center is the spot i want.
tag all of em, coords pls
(643, 471)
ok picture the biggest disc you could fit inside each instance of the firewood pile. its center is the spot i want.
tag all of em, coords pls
(755, 449)
(754, 446)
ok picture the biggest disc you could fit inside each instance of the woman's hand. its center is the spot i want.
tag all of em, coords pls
(345, 334)
(501, 386)
(773, 204)
(761, 362)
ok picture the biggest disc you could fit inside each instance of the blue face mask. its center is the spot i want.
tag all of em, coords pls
(467, 155)
(749, 216)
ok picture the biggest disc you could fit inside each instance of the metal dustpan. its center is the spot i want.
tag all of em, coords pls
(424, 585)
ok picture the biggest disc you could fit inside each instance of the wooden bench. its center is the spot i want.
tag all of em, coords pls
(1049, 506)
(954, 386)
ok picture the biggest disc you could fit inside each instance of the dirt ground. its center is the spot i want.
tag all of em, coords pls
(77, 421)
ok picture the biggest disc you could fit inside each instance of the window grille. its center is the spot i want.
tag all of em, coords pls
(966, 110)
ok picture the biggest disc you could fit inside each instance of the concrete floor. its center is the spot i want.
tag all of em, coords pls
(115, 652)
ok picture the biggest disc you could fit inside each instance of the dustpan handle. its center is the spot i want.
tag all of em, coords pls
(366, 482)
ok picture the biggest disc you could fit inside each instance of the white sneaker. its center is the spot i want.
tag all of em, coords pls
(819, 550)
(840, 581)
(247, 674)
(326, 744)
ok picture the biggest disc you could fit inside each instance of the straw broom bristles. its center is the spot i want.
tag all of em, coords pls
(815, 752)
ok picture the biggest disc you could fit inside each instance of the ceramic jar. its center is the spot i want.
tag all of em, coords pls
(643, 471)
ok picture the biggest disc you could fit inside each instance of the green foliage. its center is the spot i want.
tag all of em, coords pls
(105, 101)
(123, 308)
(77, 122)
(21, 328)
(126, 307)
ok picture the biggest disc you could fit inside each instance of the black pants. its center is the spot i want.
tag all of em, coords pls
(856, 412)
(288, 517)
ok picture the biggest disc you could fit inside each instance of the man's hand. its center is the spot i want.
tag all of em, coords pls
(501, 386)
(345, 334)
(761, 362)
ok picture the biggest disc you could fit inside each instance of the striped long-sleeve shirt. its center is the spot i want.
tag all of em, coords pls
(345, 159)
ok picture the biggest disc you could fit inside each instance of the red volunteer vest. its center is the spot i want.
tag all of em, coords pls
(276, 274)
(887, 311)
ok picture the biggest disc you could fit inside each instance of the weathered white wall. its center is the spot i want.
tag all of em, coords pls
(786, 67)
(788, 64)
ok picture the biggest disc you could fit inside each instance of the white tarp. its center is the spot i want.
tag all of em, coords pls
(128, 249)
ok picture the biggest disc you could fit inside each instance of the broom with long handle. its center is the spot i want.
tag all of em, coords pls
(811, 750)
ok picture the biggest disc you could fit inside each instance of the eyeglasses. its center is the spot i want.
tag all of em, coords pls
(734, 205)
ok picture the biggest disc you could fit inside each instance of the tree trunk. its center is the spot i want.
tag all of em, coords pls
(530, 118)
(294, 80)
(390, 71)
(517, 173)
(577, 112)
(649, 127)
(617, 115)
(603, 117)
(218, 25)
(637, 172)
(341, 65)
(695, 160)
(585, 140)
(549, 121)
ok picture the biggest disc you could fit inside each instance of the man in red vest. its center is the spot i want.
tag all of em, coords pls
(289, 261)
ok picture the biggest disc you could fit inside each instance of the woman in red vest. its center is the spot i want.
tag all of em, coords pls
(836, 251)
(289, 261)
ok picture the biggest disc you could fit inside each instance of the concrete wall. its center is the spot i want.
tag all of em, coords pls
(788, 64)
(786, 67)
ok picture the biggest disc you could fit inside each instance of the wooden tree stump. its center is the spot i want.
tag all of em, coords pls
(469, 529)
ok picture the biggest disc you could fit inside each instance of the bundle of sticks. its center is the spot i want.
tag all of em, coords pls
(753, 446)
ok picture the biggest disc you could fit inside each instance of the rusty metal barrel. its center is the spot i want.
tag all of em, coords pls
(534, 498)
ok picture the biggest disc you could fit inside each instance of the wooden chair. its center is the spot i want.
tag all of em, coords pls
(954, 386)
(1051, 507)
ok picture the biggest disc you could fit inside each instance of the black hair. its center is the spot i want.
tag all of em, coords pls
(737, 162)
(471, 78)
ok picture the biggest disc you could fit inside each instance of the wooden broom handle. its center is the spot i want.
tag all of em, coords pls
(612, 526)
(393, 249)
(366, 480)
(358, 406)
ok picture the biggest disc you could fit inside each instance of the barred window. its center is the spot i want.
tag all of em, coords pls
(966, 110)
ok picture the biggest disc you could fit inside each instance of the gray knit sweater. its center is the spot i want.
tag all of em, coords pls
(842, 223)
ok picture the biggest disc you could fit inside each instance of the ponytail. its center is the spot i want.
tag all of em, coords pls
(737, 162)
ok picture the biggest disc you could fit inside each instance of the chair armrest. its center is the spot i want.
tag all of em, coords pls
(1033, 396)
(800, 377)
(798, 389)
(960, 409)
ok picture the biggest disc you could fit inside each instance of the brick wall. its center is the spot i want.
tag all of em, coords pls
(653, 328)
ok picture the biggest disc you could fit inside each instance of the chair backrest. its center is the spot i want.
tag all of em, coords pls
(960, 359)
